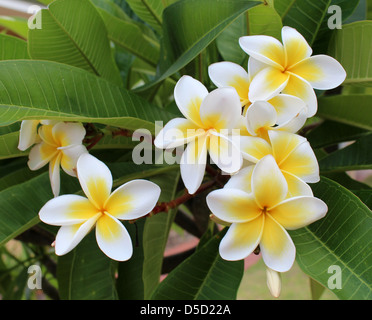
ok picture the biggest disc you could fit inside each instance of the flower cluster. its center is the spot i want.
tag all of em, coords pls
(248, 125)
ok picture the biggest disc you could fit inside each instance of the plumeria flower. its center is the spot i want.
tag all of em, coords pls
(261, 217)
(262, 117)
(229, 74)
(293, 155)
(289, 68)
(208, 126)
(101, 209)
(61, 145)
(28, 134)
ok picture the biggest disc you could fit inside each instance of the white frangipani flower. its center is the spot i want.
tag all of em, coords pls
(60, 145)
(229, 74)
(77, 215)
(289, 68)
(211, 120)
(261, 217)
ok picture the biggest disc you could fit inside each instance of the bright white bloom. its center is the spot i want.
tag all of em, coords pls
(293, 155)
(229, 74)
(61, 145)
(209, 127)
(77, 215)
(289, 68)
(262, 216)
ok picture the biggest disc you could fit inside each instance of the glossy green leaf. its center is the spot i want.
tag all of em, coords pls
(9, 146)
(86, 273)
(351, 46)
(260, 20)
(189, 26)
(129, 36)
(43, 90)
(353, 109)
(357, 156)
(342, 238)
(330, 132)
(12, 48)
(73, 33)
(203, 276)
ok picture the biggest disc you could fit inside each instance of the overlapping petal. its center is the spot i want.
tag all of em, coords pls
(95, 179)
(40, 155)
(113, 239)
(28, 134)
(133, 200)
(242, 239)
(189, 94)
(233, 205)
(68, 133)
(298, 212)
(277, 248)
(268, 183)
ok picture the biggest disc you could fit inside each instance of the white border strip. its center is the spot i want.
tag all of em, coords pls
(18, 5)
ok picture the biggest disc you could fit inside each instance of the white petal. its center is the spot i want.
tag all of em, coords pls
(254, 148)
(287, 107)
(68, 133)
(176, 133)
(241, 239)
(95, 179)
(68, 237)
(40, 155)
(28, 134)
(268, 183)
(321, 71)
(295, 46)
(260, 114)
(189, 94)
(70, 156)
(277, 248)
(193, 162)
(67, 210)
(302, 89)
(225, 153)
(229, 74)
(294, 124)
(298, 212)
(268, 83)
(133, 199)
(221, 109)
(254, 67)
(265, 49)
(54, 175)
(113, 239)
(233, 205)
(242, 180)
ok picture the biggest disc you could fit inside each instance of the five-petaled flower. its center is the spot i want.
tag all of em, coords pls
(77, 215)
(211, 120)
(61, 144)
(289, 68)
(260, 217)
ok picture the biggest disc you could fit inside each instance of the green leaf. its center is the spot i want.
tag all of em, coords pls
(9, 146)
(203, 276)
(304, 15)
(149, 11)
(351, 46)
(86, 273)
(17, 25)
(155, 234)
(129, 36)
(329, 133)
(365, 196)
(260, 20)
(12, 48)
(45, 90)
(76, 28)
(357, 156)
(189, 27)
(341, 238)
(353, 109)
